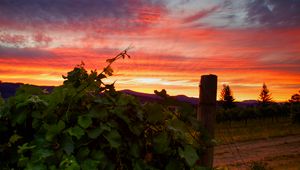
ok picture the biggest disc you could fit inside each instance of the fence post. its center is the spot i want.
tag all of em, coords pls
(207, 112)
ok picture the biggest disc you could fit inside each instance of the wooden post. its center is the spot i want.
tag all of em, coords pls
(207, 112)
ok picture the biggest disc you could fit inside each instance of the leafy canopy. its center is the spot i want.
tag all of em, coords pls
(86, 124)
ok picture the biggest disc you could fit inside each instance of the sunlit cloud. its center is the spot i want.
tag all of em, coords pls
(175, 42)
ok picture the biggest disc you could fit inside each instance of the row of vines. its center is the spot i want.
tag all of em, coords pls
(86, 124)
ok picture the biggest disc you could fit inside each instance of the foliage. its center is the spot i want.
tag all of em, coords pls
(265, 96)
(162, 93)
(295, 112)
(295, 98)
(226, 97)
(1, 100)
(273, 111)
(295, 107)
(86, 124)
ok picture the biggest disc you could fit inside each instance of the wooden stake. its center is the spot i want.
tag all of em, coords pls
(207, 112)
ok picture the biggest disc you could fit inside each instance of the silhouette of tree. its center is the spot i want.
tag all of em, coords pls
(265, 96)
(295, 98)
(226, 97)
(162, 93)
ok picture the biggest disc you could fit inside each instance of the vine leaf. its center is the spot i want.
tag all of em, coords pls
(161, 142)
(94, 133)
(189, 154)
(54, 129)
(114, 138)
(108, 70)
(84, 121)
(68, 145)
(76, 131)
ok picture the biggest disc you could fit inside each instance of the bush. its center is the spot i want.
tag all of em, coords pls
(295, 112)
(86, 124)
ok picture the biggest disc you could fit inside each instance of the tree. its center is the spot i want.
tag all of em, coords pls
(162, 93)
(265, 96)
(226, 97)
(295, 98)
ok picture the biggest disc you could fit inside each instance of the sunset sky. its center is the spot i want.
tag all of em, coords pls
(244, 42)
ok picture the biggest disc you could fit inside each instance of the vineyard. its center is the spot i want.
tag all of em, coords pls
(86, 124)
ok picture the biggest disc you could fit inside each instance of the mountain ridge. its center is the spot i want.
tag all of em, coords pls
(8, 89)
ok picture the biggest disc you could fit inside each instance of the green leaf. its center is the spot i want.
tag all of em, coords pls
(135, 150)
(98, 155)
(1, 100)
(189, 154)
(76, 131)
(154, 113)
(14, 138)
(119, 111)
(54, 129)
(178, 127)
(83, 153)
(98, 111)
(68, 144)
(94, 133)
(123, 100)
(174, 164)
(25, 147)
(89, 164)
(20, 118)
(114, 138)
(138, 165)
(41, 153)
(84, 121)
(69, 163)
(23, 161)
(161, 142)
(37, 123)
(38, 166)
(136, 129)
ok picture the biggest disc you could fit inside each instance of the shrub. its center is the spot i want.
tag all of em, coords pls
(86, 124)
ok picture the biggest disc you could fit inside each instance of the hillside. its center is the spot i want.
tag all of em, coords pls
(9, 89)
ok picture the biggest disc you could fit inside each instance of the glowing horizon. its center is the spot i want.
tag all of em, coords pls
(244, 43)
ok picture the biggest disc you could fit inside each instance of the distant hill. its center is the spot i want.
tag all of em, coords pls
(146, 97)
(9, 89)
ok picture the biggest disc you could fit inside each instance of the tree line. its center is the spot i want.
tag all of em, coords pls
(265, 107)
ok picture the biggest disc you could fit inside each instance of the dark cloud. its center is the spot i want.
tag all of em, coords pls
(274, 13)
(12, 39)
(201, 14)
(71, 13)
(12, 52)
(42, 39)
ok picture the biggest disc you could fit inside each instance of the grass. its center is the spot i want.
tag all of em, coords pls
(255, 129)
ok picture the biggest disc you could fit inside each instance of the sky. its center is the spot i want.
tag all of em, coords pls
(244, 42)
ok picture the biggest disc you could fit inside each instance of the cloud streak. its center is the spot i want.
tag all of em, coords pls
(173, 44)
(274, 13)
(82, 14)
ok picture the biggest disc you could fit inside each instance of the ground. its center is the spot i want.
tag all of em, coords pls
(276, 143)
